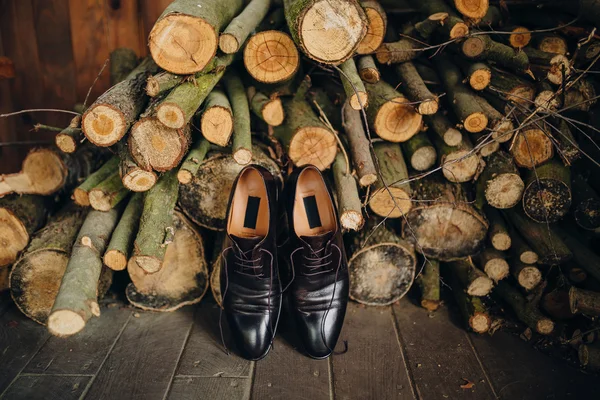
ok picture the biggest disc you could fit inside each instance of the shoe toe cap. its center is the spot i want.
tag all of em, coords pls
(320, 331)
(252, 334)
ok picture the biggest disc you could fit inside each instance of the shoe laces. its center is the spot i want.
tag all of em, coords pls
(318, 260)
(247, 266)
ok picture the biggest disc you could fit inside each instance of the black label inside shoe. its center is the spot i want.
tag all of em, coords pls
(251, 212)
(312, 212)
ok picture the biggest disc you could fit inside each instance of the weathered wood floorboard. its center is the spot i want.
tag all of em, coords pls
(372, 341)
(193, 388)
(47, 387)
(142, 363)
(439, 355)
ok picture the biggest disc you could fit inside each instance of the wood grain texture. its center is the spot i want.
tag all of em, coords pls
(372, 341)
(143, 361)
(439, 355)
(518, 371)
(47, 387)
(53, 37)
(193, 388)
(204, 354)
(84, 352)
(20, 339)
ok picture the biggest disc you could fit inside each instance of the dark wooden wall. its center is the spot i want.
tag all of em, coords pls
(58, 47)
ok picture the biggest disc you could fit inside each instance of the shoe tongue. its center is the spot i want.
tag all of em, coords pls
(317, 242)
(246, 243)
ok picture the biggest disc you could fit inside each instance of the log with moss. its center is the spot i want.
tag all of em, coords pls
(367, 69)
(306, 139)
(586, 204)
(204, 200)
(183, 278)
(156, 224)
(547, 196)
(382, 266)
(528, 276)
(498, 234)
(36, 276)
(472, 309)
(20, 217)
(376, 27)
(238, 30)
(482, 47)
(428, 281)
(77, 298)
(463, 100)
(120, 246)
(403, 50)
(519, 249)
(267, 108)
(192, 161)
(390, 114)
(477, 74)
(459, 163)
(109, 118)
(500, 182)
(442, 220)
(135, 177)
(512, 88)
(309, 24)
(430, 25)
(47, 171)
(349, 205)
(360, 148)
(108, 193)
(493, 263)
(551, 66)
(241, 146)
(501, 126)
(426, 103)
(271, 57)
(419, 152)
(583, 301)
(549, 247)
(391, 194)
(180, 105)
(528, 313)
(81, 192)
(452, 27)
(186, 36)
(439, 125)
(473, 280)
(216, 123)
(532, 147)
(353, 85)
(551, 43)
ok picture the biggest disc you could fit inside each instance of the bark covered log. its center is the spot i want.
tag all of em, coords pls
(419, 152)
(526, 312)
(367, 69)
(81, 192)
(108, 194)
(353, 85)
(426, 102)
(391, 194)
(349, 205)
(527, 275)
(498, 234)
(429, 284)
(216, 123)
(69, 138)
(360, 148)
(500, 181)
(582, 254)
(460, 163)
(240, 27)
(134, 177)
(482, 47)
(241, 146)
(472, 309)
(584, 302)
(474, 281)
(267, 108)
(493, 263)
(120, 247)
(192, 161)
(442, 127)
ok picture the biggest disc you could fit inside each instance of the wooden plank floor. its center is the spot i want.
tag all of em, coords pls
(397, 352)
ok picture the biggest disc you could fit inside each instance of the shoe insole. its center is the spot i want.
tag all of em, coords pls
(249, 215)
(313, 211)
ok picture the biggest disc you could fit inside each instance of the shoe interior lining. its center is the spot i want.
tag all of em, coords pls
(249, 216)
(313, 211)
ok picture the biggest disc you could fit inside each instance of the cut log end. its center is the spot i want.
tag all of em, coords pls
(497, 269)
(115, 260)
(428, 107)
(503, 131)
(153, 143)
(184, 176)
(182, 44)
(313, 145)
(473, 47)
(559, 67)
(332, 43)
(531, 148)
(370, 75)
(529, 257)
(44, 172)
(103, 125)
(216, 125)
(586, 214)
(242, 156)
(452, 137)
(351, 220)
(395, 205)
(460, 166)
(476, 122)
(501, 241)
(359, 101)
(139, 180)
(367, 180)
(423, 158)
(474, 9)
(459, 30)
(13, 237)
(397, 121)
(431, 305)
(152, 87)
(170, 115)
(480, 286)
(547, 200)
(529, 277)
(150, 265)
(81, 197)
(489, 148)
(99, 200)
(480, 322)
(545, 326)
(66, 143)
(504, 191)
(520, 37)
(273, 113)
(228, 43)
(376, 27)
(271, 57)
(64, 323)
(480, 79)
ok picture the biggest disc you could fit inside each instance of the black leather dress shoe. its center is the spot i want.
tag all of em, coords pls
(250, 281)
(319, 290)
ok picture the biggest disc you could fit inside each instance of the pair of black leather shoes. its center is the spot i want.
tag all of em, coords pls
(251, 283)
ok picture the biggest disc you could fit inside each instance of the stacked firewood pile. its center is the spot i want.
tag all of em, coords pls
(460, 137)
